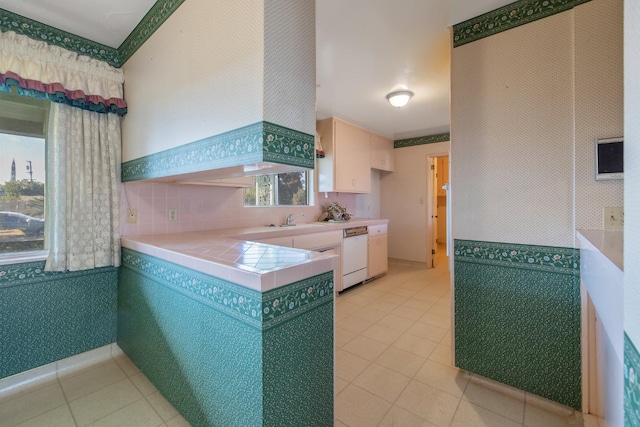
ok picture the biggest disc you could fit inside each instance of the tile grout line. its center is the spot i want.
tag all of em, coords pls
(66, 399)
(459, 401)
(402, 332)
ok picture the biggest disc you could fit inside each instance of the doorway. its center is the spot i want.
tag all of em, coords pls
(437, 218)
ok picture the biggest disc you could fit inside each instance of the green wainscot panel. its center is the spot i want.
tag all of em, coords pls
(219, 360)
(517, 317)
(631, 384)
(48, 316)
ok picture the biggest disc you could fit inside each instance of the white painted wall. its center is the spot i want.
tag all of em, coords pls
(598, 104)
(527, 105)
(290, 64)
(218, 65)
(512, 132)
(632, 170)
(403, 200)
(198, 75)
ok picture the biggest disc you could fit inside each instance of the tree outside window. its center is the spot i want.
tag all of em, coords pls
(284, 189)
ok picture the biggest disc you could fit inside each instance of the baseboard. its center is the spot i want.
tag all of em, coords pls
(407, 262)
(592, 421)
(531, 398)
(37, 377)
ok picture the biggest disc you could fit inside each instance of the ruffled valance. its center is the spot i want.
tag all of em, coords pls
(44, 71)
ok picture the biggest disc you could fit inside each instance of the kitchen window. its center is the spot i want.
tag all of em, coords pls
(22, 174)
(281, 189)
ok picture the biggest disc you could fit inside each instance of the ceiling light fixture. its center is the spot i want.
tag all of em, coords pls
(399, 98)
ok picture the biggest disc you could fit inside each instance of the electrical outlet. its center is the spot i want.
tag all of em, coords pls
(132, 216)
(613, 218)
(172, 214)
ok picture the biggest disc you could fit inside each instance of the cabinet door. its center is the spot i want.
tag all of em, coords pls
(352, 158)
(382, 153)
(378, 258)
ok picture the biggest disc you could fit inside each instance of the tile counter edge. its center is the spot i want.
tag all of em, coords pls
(608, 242)
(221, 253)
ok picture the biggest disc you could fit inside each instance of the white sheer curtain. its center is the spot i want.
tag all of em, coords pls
(83, 199)
(83, 147)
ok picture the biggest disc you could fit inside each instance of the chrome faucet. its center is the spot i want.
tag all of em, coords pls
(290, 218)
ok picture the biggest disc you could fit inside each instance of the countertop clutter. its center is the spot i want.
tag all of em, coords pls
(233, 255)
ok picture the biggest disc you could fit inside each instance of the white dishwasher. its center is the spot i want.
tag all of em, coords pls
(354, 256)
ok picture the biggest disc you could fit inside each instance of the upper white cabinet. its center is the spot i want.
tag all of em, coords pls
(346, 166)
(382, 153)
(350, 154)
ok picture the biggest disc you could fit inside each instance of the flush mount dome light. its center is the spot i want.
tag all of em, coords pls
(399, 98)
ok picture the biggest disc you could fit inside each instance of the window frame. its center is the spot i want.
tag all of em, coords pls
(8, 258)
(308, 180)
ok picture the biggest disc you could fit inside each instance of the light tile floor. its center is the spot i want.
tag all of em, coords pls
(110, 394)
(394, 364)
(393, 368)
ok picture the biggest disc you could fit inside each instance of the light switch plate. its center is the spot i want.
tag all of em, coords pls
(613, 218)
(132, 216)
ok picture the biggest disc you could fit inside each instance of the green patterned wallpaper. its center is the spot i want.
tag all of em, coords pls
(156, 16)
(422, 140)
(220, 361)
(47, 316)
(258, 142)
(507, 17)
(517, 316)
(631, 384)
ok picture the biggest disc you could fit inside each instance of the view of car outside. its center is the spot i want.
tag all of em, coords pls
(22, 189)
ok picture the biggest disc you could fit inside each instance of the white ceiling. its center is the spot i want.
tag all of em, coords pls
(365, 49)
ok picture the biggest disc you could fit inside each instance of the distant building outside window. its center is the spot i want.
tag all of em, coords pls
(22, 174)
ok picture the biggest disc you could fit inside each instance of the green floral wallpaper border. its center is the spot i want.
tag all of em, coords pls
(236, 301)
(261, 311)
(508, 17)
(282, 304)
(258, 142)
(631, 383)
(19, 24)
(155, 17)
(546, 258)
(33, 272)
(422, 140)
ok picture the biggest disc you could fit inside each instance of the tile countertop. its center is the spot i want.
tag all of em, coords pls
(609, 243)
(231, 254)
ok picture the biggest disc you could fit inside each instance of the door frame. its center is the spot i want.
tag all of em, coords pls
(431, 200)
